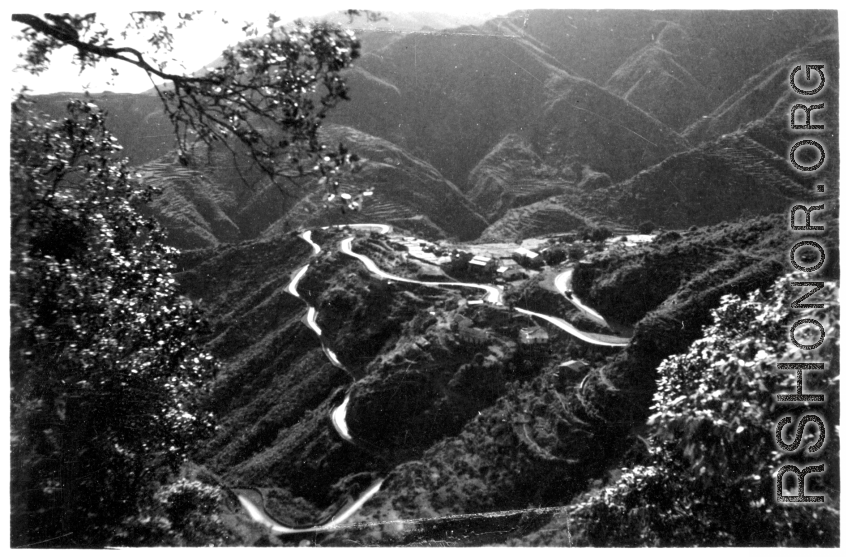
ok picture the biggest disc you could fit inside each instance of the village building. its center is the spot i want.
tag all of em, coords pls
(464, 326)
(534, 335)
(481, 264)
(523, 253)
(474, 335)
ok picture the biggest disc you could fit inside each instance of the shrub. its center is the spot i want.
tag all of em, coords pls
(646, 227)
(710, 475)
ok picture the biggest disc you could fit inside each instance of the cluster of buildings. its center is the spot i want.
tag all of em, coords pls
(507, 268)
(424, 250)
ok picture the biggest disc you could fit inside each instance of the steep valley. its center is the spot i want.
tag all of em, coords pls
(454, 428)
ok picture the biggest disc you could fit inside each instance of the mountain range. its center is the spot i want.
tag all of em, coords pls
(509, 113)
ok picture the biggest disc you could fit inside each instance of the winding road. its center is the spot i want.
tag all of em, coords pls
(307, 235)
(261, 516)
(493, 295)
(563, 282)
(592, 338)
(339, 420)
(338, 416)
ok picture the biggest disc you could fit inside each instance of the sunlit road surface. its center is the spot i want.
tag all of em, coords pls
(307, 235)
(311, 313)
(333, 358)
(493, 294)
(259, 515)
(339, 420)
(562, 282)
(311, 316)
(591, 338)
(292, 286)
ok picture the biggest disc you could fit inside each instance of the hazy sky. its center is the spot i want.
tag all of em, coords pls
(203, 40)
(199, 43)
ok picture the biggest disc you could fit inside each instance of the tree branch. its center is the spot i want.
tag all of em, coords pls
(264, 94)
(70, 37)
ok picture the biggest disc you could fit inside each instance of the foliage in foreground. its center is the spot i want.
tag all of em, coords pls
(709, 479)
(105, 370)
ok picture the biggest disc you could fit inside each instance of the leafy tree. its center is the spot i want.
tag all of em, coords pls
(709, 477)
(555, 255)
(266, 97)
(105, 368)
(575, 253)
(595, 233)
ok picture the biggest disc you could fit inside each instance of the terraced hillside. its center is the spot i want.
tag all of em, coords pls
(549, 216)
(761, 92)
(716, 181)
(513, 175)
(215, 200)
(192, 208)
